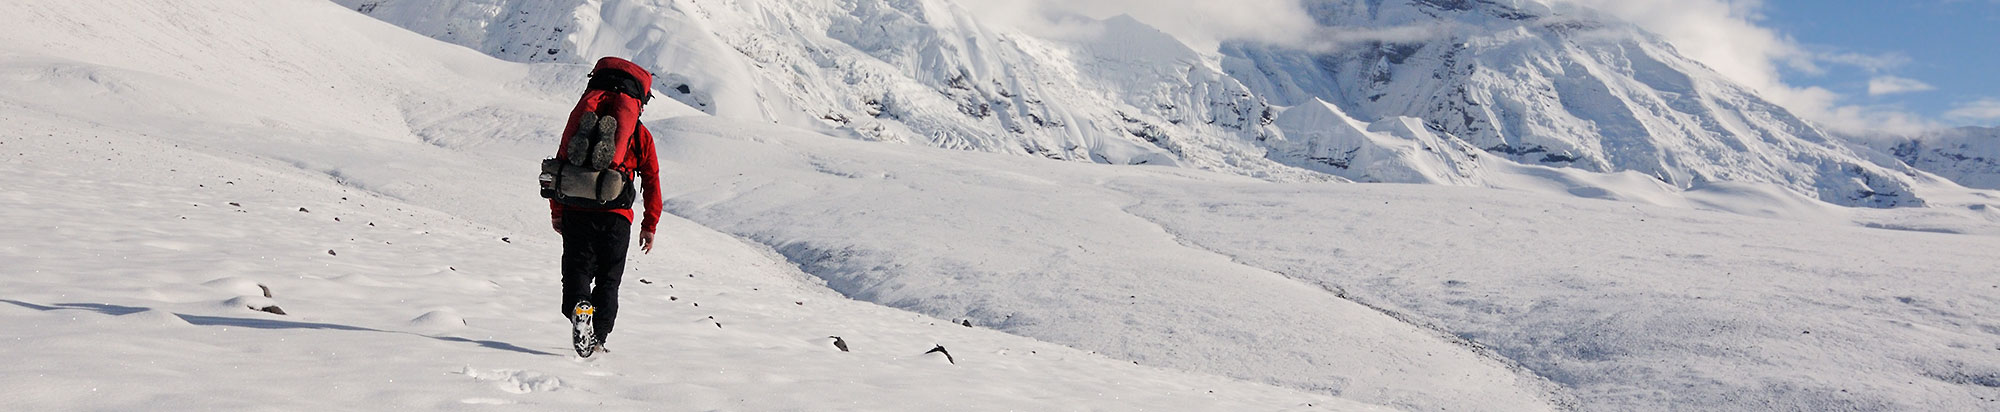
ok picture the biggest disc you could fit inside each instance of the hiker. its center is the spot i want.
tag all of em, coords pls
(589, 186)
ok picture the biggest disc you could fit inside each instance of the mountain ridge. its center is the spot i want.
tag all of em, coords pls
(1522, 81)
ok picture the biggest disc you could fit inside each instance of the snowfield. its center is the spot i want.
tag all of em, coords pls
(142, 239)
(181, 171)
(1624, 306)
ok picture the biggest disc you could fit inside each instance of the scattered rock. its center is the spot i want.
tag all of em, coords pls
(330, 252)
(506, 240)
(642, 280)
(266, 290)
(235, 204)
(839, 343)
(965, 322)
(303, 210)
(940, 350)
(260, 304)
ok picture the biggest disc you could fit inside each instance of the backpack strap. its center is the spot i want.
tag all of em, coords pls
(632, 144)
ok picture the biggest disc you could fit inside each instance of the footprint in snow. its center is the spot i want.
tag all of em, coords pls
(516, 381)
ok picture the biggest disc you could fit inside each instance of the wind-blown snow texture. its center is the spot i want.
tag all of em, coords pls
(1512, 80)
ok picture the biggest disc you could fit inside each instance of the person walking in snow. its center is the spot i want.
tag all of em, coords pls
(589, 186)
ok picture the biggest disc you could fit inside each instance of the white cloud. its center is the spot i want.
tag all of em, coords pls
(1982, 110)
(1872, 63)
(1203, 24)
(1726, 36)
(1718, 33)
(1885, 85)
(1328, 39)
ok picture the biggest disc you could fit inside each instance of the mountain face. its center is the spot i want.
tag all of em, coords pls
(1967, 155)
(1422, 91)
(1523, 81)
(914, 71)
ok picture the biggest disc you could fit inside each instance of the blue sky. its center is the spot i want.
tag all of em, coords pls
(1953, 46)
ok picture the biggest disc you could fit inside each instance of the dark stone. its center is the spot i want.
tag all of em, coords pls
(947, 354)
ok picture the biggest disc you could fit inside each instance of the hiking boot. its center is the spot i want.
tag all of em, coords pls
(607, 143)
(579, 143)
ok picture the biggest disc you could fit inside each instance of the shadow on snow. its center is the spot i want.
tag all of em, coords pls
(117, 310)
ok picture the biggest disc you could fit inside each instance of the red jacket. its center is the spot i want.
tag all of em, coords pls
(646, 164)
(638, 157)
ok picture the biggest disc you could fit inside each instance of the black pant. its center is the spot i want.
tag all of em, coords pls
(594, 245)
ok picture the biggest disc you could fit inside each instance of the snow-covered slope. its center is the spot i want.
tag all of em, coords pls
(138, 289)
(1565, 88)
(1626, 307)
(1071, 254)
(1319, 136)
(1044, 249)
(177, 165)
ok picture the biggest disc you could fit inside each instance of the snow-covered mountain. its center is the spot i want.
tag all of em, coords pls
(922, 71)
(1562, 87)
(1490, 81)
(1967, 155)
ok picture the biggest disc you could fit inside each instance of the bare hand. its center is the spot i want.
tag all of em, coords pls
(646, 242)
